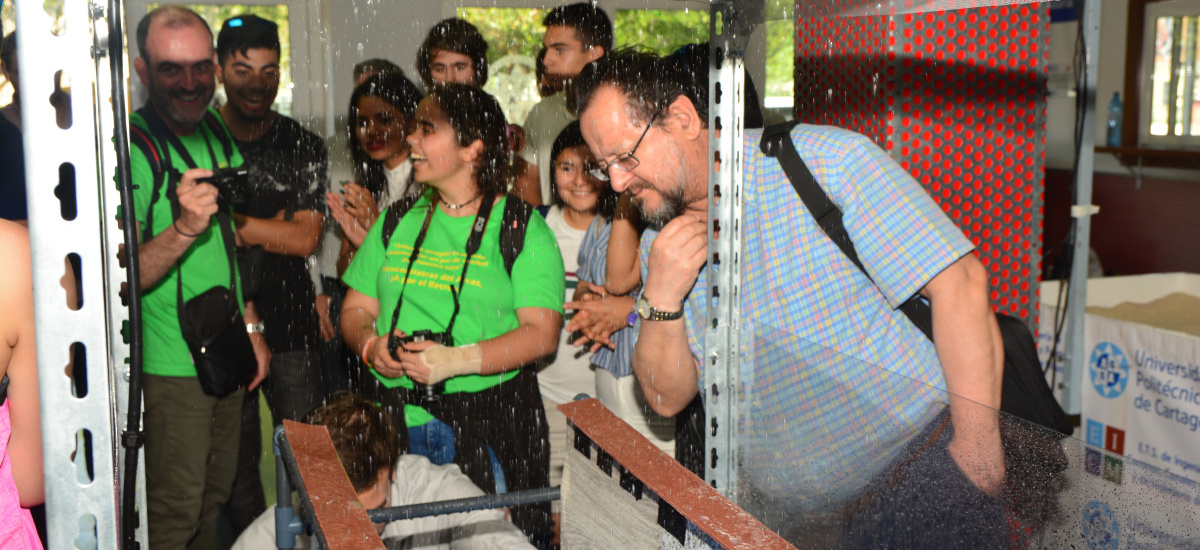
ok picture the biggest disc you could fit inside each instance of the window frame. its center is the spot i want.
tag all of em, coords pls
(1136, 150)
(1153, 12)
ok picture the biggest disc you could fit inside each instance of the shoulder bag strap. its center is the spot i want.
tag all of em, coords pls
(777, 142)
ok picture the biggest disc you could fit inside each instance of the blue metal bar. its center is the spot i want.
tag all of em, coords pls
(486, 502)
(287, 523)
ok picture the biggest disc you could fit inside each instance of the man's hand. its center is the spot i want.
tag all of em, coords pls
(262, 354)
(980, 456)
(323, 319)
(354, 231)
(197, 202)
(676, 256)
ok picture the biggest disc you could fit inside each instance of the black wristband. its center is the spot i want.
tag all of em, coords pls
(189, 235)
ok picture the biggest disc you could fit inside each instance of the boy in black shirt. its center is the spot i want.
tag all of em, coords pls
(279, 224)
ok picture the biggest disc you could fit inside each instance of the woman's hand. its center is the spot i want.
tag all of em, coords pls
(381, 357)
(598, 316)
(354, 231)
(429, 362)
(360, 204)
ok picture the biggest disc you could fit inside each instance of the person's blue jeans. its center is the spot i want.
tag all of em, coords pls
(435, 440)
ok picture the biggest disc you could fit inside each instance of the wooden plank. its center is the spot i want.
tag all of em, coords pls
(721, 519)
(341, 521)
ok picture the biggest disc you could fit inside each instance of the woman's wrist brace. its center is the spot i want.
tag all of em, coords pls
(444, 362)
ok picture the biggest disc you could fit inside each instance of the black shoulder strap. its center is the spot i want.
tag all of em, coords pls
(218, 131)
(140, 139)
(777, 142)
(512, 230)
(391, 219)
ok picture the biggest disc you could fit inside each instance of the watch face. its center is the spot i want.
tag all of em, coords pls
(643, 308)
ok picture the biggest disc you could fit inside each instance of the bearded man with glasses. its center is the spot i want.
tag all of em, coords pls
(908, 473)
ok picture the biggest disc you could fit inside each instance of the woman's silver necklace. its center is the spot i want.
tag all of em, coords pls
(457, 206)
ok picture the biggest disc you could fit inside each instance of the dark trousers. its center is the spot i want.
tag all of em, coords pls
(293, 387)
(191, 457)
(927, 502)
(335, 356)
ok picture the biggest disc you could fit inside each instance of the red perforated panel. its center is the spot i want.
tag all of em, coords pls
(957, 98)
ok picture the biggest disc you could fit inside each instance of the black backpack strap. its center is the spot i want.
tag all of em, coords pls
(142, 140)
(512, 230)
(777, 142)
(391, 219)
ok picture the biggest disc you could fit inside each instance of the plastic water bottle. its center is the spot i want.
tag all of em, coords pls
(1114, 121)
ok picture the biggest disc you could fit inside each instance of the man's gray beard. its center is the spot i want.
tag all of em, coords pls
(673, 205)
(166, 110)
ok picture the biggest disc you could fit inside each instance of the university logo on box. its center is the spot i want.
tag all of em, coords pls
(1109, 370)
(1109, 467)
(1108, 437)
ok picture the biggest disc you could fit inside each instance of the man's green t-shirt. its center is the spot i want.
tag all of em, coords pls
(205, 264)
(487, 306)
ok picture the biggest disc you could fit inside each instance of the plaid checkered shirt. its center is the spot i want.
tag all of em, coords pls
(835, 379)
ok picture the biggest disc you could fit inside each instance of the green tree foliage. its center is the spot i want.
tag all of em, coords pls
(508, 31)
(660, 31)
(781, 58)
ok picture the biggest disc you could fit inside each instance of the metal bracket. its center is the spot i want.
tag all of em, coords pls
(730, 26)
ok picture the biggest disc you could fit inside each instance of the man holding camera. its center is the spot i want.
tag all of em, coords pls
(279, 224)
(185, 253)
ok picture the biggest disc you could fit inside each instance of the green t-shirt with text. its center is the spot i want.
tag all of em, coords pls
(205, 264)
(487, 306)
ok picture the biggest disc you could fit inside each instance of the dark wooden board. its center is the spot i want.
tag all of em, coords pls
(341, 518)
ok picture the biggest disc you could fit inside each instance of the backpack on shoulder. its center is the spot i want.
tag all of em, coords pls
(512, 229)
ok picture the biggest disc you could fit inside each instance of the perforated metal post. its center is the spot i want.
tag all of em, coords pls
(729, 29)
(1082, 215)
(72, 210)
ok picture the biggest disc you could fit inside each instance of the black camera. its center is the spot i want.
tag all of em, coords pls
(396, 342)
(231, 183)
(429, 394)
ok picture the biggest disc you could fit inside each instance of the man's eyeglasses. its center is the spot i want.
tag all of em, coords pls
(624, 161)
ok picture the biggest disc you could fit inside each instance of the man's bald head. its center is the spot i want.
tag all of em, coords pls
(170, 17)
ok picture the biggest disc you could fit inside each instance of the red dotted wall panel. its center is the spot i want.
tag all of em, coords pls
(958, 99)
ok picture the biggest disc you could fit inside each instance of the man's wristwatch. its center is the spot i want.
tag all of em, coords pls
(647, 312)
(255, 328)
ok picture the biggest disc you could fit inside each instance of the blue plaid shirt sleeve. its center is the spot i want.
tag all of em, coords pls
(882, 206)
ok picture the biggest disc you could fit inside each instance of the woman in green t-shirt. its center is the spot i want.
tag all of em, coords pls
(483, 323)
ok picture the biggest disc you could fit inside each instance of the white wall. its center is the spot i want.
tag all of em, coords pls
(363, 29)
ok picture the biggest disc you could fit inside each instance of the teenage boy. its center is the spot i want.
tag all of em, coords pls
(576, 34)
(279, 225)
